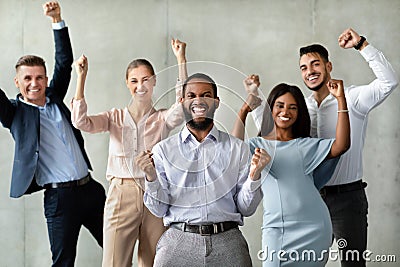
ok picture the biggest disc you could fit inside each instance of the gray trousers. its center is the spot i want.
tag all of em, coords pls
(177, 248)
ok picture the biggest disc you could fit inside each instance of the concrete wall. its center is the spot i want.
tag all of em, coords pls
(241, 37)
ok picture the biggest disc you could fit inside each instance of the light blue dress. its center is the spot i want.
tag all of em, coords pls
(296, 229)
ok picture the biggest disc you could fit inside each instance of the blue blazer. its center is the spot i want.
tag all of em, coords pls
(23, 120)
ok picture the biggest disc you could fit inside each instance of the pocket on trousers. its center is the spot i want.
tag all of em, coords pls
(170, 238)
(242, 239)
(358, 202)
(51, 202)
(113, 201)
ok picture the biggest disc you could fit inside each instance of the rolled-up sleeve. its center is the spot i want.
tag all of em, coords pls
(249, 192)
(91, 124)
(174, 115)
(156, 197)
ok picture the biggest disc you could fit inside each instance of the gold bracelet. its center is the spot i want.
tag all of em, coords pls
(342, 111)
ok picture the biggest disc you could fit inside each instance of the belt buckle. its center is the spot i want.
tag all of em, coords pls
(204, 230)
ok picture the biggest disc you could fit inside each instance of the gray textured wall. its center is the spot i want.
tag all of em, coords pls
(260, 36)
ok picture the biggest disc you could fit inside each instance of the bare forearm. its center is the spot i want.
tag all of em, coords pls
(182, 68)
(80, 87)
(56, 19)
(342, 142)
(239, 126)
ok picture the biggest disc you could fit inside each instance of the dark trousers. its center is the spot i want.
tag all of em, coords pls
(66, 210)
(348, 212)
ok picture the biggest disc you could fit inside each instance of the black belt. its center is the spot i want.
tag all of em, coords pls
(205, 229)
(342, 188)
(74, 183)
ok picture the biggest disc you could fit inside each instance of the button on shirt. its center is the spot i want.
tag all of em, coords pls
(360, 101)
(202, 182)
(60, 158)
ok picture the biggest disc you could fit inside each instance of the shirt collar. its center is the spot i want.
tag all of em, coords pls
(187, 135)
(329, 97)
(21, 98)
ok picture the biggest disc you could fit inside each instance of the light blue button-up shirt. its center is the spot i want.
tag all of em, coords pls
(60, 158)
(202, 182)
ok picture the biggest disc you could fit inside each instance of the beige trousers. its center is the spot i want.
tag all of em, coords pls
(126, 220)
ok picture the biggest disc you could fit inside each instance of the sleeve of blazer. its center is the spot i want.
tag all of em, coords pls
(7, 110)
(63, 63)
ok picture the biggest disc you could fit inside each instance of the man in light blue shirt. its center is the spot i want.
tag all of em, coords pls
(202, 185)
(57, 144)
(49, 152)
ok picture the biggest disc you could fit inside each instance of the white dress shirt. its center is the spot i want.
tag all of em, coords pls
(360, 101)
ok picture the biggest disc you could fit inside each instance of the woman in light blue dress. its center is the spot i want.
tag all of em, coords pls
(296, 229)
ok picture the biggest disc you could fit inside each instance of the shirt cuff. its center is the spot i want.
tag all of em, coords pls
(75, 101)
(251, 185)
(58, 25)
(369, 52)
(257, 115)
(151, 186)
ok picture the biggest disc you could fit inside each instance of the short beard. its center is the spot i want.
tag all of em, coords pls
(202, 125)
(316, 88)
(324, 82)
